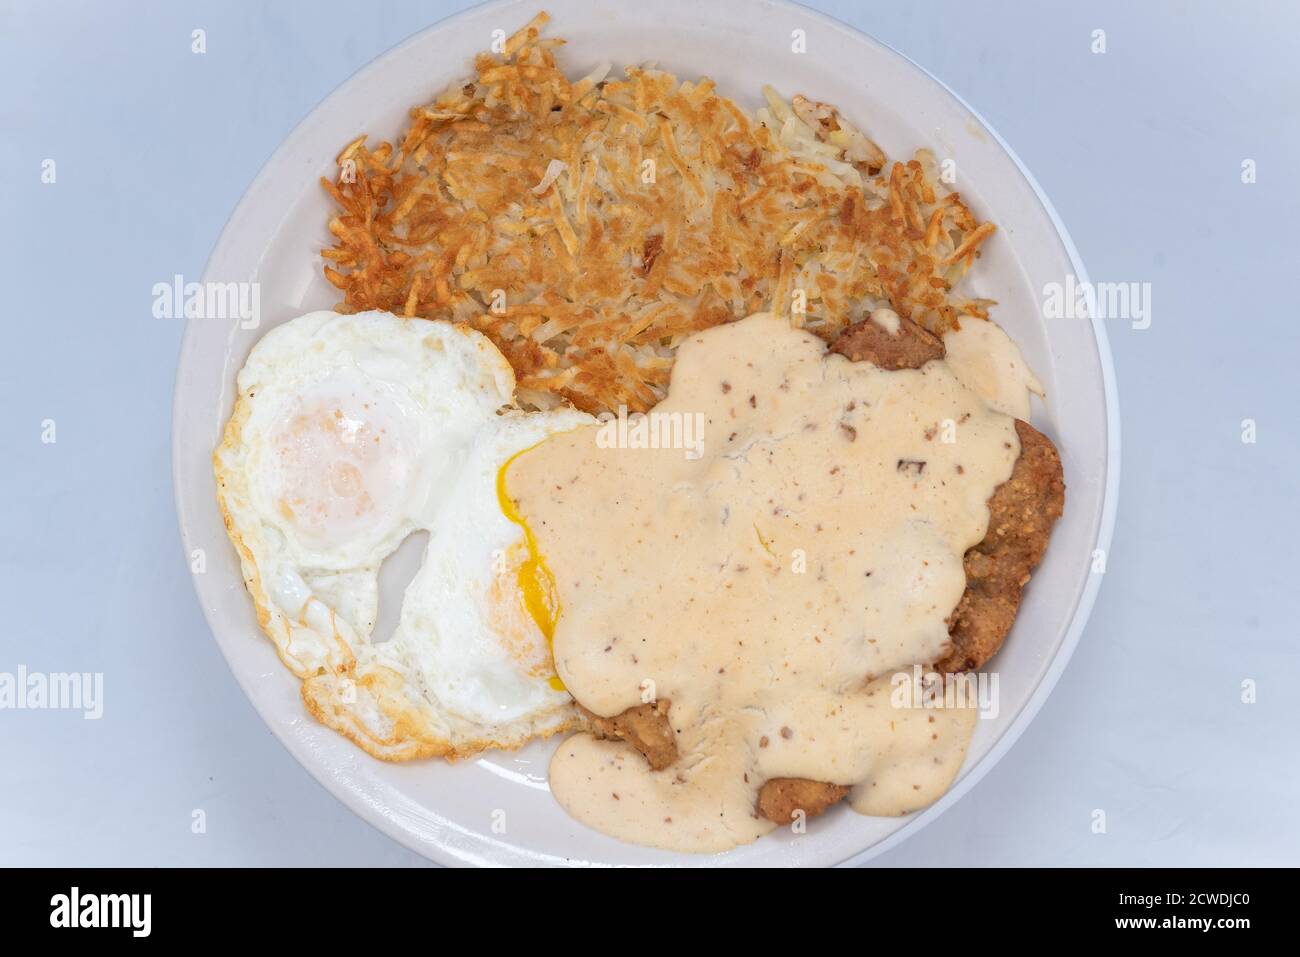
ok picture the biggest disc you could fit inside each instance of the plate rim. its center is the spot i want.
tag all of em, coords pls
(1079, 616)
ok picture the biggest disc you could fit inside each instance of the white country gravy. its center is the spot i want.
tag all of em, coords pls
(768, 588)
(988, 361)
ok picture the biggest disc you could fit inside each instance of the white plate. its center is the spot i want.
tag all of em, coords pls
(447, 812)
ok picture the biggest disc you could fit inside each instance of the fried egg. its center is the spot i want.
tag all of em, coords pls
(349, 434)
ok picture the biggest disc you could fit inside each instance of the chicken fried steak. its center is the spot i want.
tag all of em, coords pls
(1022, 511)
(645, 727)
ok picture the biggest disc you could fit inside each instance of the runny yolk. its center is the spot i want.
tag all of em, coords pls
(536, 583)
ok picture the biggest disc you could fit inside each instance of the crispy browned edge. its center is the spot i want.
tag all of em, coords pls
(645, 727)
(781, 799)
(1022, 511)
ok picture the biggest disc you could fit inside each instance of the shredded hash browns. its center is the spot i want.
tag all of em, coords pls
(586, 227)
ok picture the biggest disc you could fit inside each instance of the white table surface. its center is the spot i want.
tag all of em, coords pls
(1140, 148)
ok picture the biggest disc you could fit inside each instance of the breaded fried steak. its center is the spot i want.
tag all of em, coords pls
(908, 347)
(782, 798)
(646, 728)
(1022, 512)
(1021, 515)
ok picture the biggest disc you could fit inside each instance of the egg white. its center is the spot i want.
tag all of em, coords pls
(349, 433)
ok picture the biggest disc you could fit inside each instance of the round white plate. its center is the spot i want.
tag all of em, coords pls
(497, 810)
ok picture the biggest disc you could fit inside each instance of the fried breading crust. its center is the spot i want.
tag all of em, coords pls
(910, 348)
(1022, 511)
(645, 727)
(780, 798)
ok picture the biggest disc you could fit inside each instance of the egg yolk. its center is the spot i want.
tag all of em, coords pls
(536, 583)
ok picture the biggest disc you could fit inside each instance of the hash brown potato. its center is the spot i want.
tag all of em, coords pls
(587, 227)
